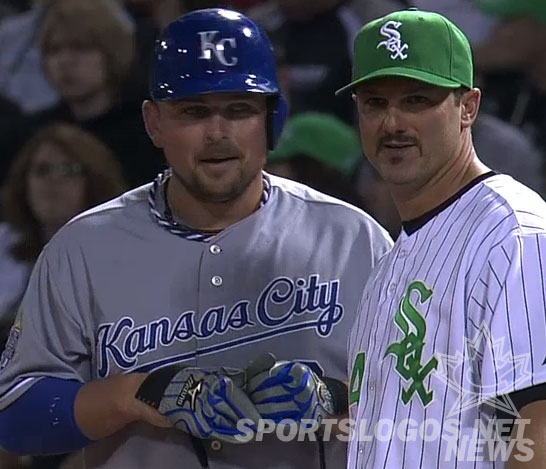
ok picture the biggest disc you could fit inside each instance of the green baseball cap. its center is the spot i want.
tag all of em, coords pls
(320, 136)
(415, 44)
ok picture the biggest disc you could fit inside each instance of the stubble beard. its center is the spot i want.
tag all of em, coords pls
(227, 188)
(206, 190)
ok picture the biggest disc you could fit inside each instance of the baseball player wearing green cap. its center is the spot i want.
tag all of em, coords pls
(449, 345)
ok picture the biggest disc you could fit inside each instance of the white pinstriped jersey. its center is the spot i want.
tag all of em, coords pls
(451, 320)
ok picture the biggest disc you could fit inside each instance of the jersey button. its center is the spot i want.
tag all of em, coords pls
(215, 445)
(215, 249)
(216, 280)
(392, 288)
(402, 254)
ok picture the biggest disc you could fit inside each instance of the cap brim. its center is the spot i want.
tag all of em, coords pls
(418, 75)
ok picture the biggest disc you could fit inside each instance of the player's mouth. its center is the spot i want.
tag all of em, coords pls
(219, 161)
(399, 142)
(398, 145)
(397, 149)
(397, 152)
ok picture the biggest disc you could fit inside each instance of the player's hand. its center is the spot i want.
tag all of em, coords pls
(289, 390)
(204, 403)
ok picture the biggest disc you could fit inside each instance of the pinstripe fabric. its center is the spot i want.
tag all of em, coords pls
(481, 261)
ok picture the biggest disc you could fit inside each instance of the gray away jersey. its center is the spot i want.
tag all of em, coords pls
(451, 320)
(114, 292)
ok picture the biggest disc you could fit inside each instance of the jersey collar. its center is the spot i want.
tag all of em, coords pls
(411, 226)
(162, 214)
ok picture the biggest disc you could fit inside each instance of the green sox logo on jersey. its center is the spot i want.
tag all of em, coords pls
(283, 306)
(409, 350)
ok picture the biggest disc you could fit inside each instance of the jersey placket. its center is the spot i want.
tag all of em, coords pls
(382, 384)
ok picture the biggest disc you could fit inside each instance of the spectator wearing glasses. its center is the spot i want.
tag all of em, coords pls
(60, 172)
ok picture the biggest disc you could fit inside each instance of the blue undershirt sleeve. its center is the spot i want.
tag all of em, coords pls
(42, 421)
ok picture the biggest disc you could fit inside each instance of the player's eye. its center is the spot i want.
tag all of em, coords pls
(375, 102)
(418, 100)
(372, 104)
(240, 110)
(195, 111)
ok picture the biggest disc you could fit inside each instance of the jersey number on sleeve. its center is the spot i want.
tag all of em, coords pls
(357, 377)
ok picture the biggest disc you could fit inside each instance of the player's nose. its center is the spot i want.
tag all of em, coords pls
(217, 127)
(393, 120)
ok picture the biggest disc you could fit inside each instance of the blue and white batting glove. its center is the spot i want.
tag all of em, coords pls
(291, 391)
(204, 403)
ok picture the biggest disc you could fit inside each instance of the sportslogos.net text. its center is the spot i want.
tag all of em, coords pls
(483, 442)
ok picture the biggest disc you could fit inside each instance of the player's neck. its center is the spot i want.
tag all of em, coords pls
(414, 203)
(213, 216)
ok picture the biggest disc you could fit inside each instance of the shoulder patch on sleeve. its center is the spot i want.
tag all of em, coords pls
(11, 343)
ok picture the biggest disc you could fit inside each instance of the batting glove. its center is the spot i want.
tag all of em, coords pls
(287, 390)
(204, 403)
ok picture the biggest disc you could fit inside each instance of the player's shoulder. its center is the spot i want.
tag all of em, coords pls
(134, 200)
(513, 206)
(326, 207)
(128, 211)
(300, 194)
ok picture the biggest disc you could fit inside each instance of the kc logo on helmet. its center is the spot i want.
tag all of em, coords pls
(210, 46)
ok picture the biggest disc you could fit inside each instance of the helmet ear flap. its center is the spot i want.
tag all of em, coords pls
(276, 117)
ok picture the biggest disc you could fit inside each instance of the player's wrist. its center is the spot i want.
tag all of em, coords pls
(129, 407)
(105, 406)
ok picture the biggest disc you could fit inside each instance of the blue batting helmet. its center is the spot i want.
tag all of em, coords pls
(213, 51)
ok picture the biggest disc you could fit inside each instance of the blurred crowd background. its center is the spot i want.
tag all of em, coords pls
(73, 74)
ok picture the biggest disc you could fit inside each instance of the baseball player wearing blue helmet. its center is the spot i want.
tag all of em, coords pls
(162, 328)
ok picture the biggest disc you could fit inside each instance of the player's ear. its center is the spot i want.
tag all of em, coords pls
(150, 114)
(470, 105)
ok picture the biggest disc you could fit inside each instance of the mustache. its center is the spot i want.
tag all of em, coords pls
(396, 139)
(220, 149)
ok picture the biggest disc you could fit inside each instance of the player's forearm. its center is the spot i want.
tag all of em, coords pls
(104, 407)
(60, 416)
(41, 420)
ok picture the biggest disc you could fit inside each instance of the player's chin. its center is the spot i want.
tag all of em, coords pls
(221, 191)
(221, 181)
(401, 173)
